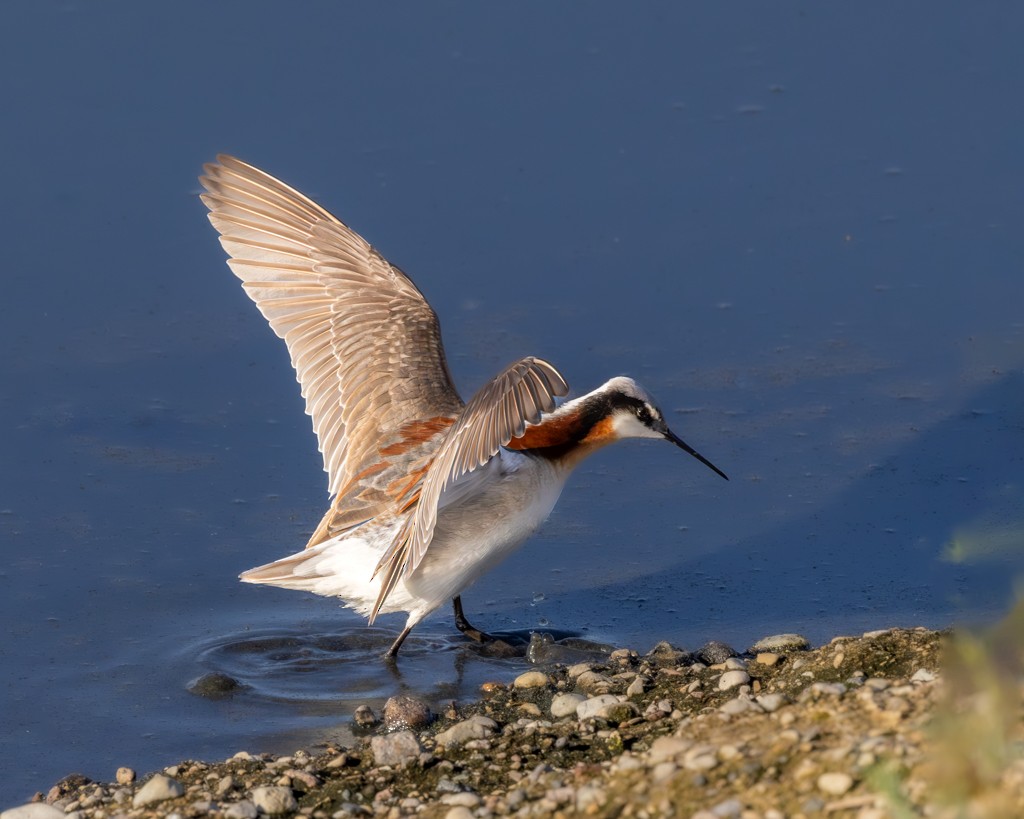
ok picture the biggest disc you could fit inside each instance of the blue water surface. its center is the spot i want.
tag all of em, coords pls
(798, 224)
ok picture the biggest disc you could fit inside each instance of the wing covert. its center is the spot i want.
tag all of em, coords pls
(494, 416)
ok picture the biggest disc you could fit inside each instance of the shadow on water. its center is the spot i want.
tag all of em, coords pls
(931, 535)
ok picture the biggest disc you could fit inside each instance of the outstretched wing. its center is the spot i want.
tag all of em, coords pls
(494, 416)
(365, 344)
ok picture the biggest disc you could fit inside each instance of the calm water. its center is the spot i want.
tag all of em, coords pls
(799, 226)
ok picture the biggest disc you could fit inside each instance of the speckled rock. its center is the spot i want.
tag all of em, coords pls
(125, 776)
(404, 711)
(715, 652)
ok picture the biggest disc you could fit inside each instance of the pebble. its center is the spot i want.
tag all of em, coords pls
(665, 653)
(636, 688)
(273, 799)
(771, 702)
(397, 749)
(591, 708)
(476, 727)
(740, 705)
(459, 812)
(157, 789)
(215, 686)
(731, 679)
(466, 799)
(404, 711)
(593, 683)
(531, 679)
(781, 642)
(728, 809)
(667, 748)
(241, 810)
(715, 652)
(564, 705)
(923, 675)
(768, 658)
(364, 717)
(835, 784)
(33, 810)
(125, 776)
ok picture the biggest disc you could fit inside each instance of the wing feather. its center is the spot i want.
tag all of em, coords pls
(365, 344)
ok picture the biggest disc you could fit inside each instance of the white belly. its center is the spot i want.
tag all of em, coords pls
(494, 510)
(475, 534)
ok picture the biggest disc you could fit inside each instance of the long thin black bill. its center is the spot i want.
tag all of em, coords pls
(679, 442)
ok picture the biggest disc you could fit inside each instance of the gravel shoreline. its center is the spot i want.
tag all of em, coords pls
(781, 731)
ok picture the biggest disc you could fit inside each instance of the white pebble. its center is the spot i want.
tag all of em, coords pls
(835, 784)
(591, 708)
(158, 789)
(274, 799)
(564, 705)
(731, 679)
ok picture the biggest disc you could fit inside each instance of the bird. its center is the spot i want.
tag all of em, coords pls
(426, 492)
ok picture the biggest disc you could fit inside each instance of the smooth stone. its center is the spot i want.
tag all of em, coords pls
(619, 712)
(667, 748)
(531, 679)
(665, 653)
(729, 809)
(781, 642)
(33, 810)
(214, 686)
(735, 664)
(738, 706)
(476, 727)
(593, 682)
(364, 717)
(588, 795)
(274, 799)
(466, 799)
(158, 789)
(923, 675)
(403, 711)
(768, 658)
(732, 679)
(636, 688)
(591, 708)
(564, 705)
(771, 702)
(835, 784)
(241, 810)
(397, 749)
(125, 776)
(715, 652)
(459, 812)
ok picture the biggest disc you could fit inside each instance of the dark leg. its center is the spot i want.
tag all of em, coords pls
(467, 628)
(392, 652)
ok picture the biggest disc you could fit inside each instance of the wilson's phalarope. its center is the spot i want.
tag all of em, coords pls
(428, 493)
